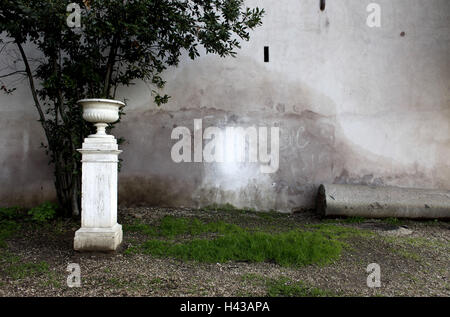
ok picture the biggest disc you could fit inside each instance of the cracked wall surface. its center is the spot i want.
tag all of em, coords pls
(354, 105)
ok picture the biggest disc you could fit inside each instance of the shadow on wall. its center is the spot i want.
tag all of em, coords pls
(26, 179)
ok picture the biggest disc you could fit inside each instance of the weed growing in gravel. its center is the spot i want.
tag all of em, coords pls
(418, 242)
(283, 287)
(270, 215)
(407, 254)
(339, 232)
(353, 219)
(16, 269)
(297, 247)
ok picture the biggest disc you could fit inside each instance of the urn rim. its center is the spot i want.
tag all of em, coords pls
(100, 100)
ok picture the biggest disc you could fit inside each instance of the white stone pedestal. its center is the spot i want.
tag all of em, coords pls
(99, 228)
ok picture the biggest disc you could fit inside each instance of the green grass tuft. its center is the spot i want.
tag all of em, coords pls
(283, 287)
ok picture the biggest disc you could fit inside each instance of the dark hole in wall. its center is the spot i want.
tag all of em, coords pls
(322, 5)
(266, 54)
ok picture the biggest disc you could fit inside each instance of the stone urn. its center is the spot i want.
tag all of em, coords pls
(101, 112)
(99, 228)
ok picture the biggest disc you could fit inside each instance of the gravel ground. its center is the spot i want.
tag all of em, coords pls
(413, 257)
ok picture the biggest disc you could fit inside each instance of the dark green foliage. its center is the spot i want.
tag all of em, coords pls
(7, 229)
(10, 213)
(118, 43)
(43, 212)
(8, 225)
(12, 218)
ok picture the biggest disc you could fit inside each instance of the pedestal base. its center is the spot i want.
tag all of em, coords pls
(98, 239)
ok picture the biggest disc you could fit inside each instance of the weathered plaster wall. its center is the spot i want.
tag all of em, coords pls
(354, 105)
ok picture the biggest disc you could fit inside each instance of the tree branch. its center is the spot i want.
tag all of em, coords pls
(110, 65)
(13, 73)
(33, 88)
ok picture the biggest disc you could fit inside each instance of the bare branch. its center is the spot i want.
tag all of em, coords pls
(33, 88)
(110, 65)
(13, 73)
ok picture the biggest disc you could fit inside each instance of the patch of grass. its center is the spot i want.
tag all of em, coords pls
(293, 248)
(283, 287)
(353, 219)
(407, 254)
(171, 227)
(393, 221)
(156, 281)
(270, 215)
(14, 218)
(435, 222)
(339, 232)
(140, 227)
(115, 282)
(58, 226)
(7, 229)
(15, 268)
(52, 281)
(244, 293)
(418, 242)
(249, 277)
(318, 244)
(8, 223)
(410, 277)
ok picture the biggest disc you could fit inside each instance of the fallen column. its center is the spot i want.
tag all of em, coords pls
(381, 202)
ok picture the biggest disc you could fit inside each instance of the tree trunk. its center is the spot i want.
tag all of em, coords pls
(75, 197)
